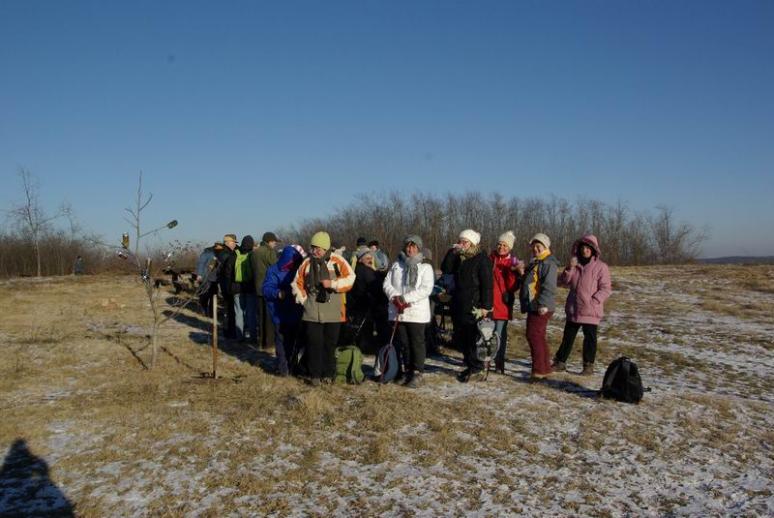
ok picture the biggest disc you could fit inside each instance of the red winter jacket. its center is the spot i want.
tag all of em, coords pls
(505, 284)
(589, 286)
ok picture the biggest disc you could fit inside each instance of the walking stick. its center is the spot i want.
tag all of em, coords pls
(215, 336)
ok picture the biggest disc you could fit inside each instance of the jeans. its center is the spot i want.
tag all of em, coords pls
(589, 342)
(501, 328)
(245, 317)
(285, 335)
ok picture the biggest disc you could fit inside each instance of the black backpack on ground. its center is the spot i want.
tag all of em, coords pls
(622, 381)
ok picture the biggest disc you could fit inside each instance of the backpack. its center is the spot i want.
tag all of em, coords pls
(349, 365)
(487, 343)
(622, 381)
(243, 270)
(387, 366)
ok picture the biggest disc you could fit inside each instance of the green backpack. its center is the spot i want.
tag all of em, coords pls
(349, 365)
(243, 270)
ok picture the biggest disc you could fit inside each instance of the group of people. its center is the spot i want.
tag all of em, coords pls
(302, 299)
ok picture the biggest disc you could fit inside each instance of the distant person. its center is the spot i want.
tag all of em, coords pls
(318, 286)
(408, 285)
(243, 289)
(589, 281)
(471, 299)
(79, 267)
(361, 247)
(381, 259)
(227, 260)
(505, 276)
(538, 300)
(261, 259)
(366, 302)
(207, 276)
(282, 308)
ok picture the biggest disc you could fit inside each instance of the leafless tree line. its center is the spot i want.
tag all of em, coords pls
(626, 237)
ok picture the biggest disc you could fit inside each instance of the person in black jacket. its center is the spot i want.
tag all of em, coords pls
(471, 298)
(227, 260)
(367, 302)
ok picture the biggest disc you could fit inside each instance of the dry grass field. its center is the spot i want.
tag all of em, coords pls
(86, 428)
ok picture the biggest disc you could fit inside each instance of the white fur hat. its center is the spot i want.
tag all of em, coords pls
(508, 238)
(471, 235)
(542, 238)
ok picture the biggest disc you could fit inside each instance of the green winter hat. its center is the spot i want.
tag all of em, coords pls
(321, 240)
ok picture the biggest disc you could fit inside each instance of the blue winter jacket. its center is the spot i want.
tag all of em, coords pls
(279, 276)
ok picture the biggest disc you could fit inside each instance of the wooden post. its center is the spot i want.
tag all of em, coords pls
(215, 336)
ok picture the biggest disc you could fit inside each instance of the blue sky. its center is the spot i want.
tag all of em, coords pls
(246, 116)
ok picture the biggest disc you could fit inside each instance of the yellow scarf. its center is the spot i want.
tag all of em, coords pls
(534, 282)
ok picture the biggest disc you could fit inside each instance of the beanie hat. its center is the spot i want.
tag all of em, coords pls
(229, 237)
(508, 238)
(361, 241)
(362, 252)
(541, 238)
(471, 235)
(413, 238)
(269, 236)
(373, 242)
(321, 240)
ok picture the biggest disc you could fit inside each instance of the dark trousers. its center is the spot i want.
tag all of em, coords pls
(285, 336)
(321, 340)
(229, 329)
(589, 342)
(536, 337)
(265, 325)
(206, 294)
(411, 337)
(465, 336)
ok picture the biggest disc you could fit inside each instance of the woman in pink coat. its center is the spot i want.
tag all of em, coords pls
(589, 281)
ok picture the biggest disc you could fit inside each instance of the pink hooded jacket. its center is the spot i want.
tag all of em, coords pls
(589, 285)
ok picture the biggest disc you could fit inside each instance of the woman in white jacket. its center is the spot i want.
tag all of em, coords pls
(408, 285)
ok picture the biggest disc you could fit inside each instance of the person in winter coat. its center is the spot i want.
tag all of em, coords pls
(505, 276)
(381, 259)
(207, 276)
(361, 248)
(261, 259)
(227, 260)
(285, 314)
(243, 289)
(471, 299)
(589, 281)
(366, 303)
(538, 300)
(408, 285)
(318, 286)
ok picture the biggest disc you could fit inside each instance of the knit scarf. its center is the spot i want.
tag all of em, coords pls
(318, 271)
(534, 283)
(410, 268)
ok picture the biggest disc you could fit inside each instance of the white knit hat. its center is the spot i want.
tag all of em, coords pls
(541, 238)
(471, 235)
(508, 238)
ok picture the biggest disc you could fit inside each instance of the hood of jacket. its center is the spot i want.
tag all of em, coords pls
(590, 240)
(289, 259)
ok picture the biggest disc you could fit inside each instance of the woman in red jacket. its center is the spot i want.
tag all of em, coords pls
(505, 277)
(589, 281)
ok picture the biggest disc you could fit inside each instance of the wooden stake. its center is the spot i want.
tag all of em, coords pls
(215, 336)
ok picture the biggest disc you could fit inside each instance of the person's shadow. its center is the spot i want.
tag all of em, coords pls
(25, 487)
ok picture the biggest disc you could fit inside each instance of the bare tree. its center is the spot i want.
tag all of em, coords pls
(30, 215)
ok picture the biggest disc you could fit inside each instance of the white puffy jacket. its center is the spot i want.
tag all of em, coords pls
(418, 296)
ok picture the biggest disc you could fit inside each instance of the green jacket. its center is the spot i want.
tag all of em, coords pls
(261, 258)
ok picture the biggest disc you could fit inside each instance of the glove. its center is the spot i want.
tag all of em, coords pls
(542, 310)
(400, 304)
(480, 313)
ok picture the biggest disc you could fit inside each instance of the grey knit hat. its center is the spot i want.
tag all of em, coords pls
(413, 238)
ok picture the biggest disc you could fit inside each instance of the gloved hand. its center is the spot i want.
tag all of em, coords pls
(480, 313)
(400, 304)
(542, 310)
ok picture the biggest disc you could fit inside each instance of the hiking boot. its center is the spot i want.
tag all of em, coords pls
(315, 382)
(558, 366)
(588, 369)
(500, 366)
(464, 376)
(415, 381)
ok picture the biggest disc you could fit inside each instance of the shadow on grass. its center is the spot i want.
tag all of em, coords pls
(242, 351)
(25, 486)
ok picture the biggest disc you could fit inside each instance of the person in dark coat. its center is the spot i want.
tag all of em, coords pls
(262, 258)
(367, 302)
(207, 276)
(227, 260)
(472, 297)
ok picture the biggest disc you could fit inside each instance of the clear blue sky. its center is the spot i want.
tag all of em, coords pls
(245, 116)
